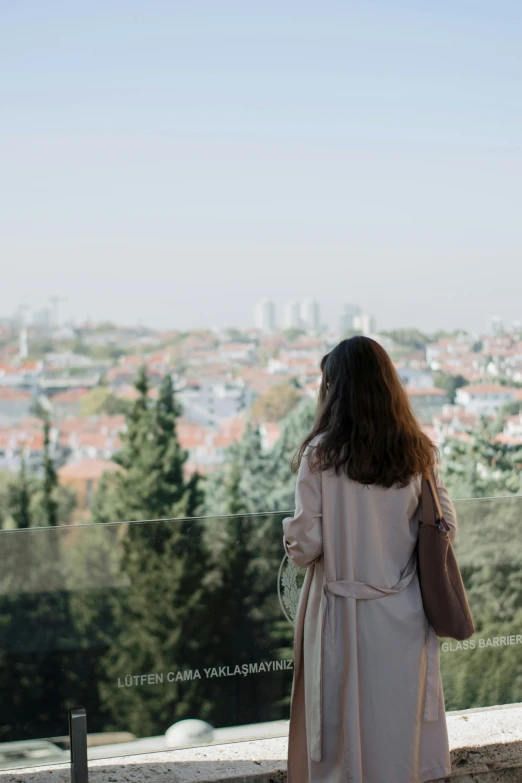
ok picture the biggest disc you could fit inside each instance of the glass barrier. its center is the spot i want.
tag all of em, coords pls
(179, 632)
(487, 670)
(169, 633)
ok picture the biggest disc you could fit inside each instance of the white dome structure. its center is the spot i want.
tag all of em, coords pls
(189, 732)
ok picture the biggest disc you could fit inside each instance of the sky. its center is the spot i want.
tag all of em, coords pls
(170, 163)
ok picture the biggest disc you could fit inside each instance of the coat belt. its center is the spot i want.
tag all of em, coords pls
(362, 591)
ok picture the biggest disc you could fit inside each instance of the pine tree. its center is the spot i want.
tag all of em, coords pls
(50, 481)
(295, 428)
(252, 487)
(240, 628)
(483, 466)
(164, 615)
(250, 553)
(19, 499)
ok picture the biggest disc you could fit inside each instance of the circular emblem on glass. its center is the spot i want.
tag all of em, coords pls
(289, 584)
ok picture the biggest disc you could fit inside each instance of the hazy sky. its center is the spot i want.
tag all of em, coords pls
(172, 162)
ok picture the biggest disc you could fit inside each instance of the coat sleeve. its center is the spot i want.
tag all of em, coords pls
(448, 509)
(303, 535)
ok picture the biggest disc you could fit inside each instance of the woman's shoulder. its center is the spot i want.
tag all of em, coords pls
(314, 442)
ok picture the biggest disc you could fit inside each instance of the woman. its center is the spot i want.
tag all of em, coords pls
(367, 704)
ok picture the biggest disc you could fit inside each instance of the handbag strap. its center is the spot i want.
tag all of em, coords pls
(431, 508)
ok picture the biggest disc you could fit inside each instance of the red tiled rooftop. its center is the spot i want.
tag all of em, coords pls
(8, 394)
(487, 388)
(87, 469)
(95, 440)
(430, 392)
(508, 440)
(191, 435)
(70, 396)
(32, 365)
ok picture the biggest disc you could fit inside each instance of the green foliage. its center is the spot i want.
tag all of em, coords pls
(443, 334)
(6, 479)
(511, 409)
(280, 478)
(24, 501)
(19, 499)
(40, 408)
(101, 400)
(64, 499)
(450, 383)
(151, 484)
(39, 348)
(50, 482)
(491, 562)
(293, 334)
(162, 615)
(245, 464)
(163, 622)
(482, 467)
(408, 338)
(276, 403)
(237, 336)
(265, 481)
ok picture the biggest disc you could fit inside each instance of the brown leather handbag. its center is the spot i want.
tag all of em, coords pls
(443, 593)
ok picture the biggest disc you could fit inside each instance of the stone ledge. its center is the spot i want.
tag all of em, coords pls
(486, 747)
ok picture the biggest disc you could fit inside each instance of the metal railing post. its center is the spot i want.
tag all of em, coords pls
(78, 737)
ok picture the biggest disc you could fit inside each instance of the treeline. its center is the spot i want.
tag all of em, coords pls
(28, 501)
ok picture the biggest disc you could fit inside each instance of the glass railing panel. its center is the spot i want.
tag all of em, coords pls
(487, 670)
(146, 625)
(178, 633)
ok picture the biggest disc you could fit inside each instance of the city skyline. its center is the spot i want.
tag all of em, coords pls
(48, 311)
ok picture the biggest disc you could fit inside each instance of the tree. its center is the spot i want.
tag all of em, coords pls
(248, 483)
(409, 338)
(150, 484)
(6, 480)
(50, 481)
(482, 466)
(19, 499)
(251, 463)
(280, 478)
(293, 334)
(490, 558)
(240, 628)
(276, 403)
(101, 400)
(450, 383)
(163, 617)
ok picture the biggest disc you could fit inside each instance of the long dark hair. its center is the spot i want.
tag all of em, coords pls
(365, 426)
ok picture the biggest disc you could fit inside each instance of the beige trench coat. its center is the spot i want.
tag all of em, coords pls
(367, 702)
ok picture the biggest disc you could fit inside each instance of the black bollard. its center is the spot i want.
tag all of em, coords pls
(78, 737)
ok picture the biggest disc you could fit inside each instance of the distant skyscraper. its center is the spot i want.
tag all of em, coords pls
(310, 317)
(24, 343)
(364, 324)
(265, 315)
(348, 314)
(496, 325)
(292, 318)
